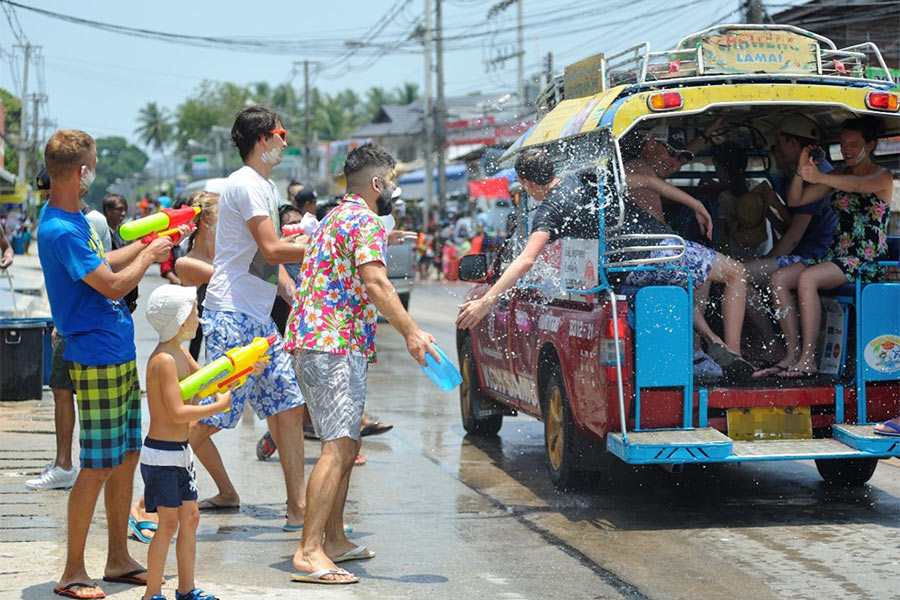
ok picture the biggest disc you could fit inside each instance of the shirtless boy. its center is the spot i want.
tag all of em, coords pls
(170, 486)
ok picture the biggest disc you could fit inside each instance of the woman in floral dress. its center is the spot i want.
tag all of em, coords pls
(861, 196)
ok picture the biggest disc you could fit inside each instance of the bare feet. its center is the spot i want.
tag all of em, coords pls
(891, 428)
(318, 561)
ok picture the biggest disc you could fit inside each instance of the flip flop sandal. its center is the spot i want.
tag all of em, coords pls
(800, 374)
(215, 507)
(66, 591)
(316, 577)
(374, 428)
(734, 368)
(358, 553)
(309, 433)
(137, 529)
(889, 425)
(129, 578)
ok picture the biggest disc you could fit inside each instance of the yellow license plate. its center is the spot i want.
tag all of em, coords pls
(769, 423)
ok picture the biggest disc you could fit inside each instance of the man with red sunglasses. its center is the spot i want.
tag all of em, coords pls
(248, 274)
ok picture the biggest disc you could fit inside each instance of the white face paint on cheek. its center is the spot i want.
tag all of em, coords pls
(272, 157)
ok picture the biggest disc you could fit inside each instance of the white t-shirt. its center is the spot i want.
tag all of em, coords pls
(242, 280)
(100, 227)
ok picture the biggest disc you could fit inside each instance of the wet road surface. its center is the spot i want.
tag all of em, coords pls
(457, 517)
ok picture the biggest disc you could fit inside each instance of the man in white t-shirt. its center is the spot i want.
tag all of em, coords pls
(247, 276)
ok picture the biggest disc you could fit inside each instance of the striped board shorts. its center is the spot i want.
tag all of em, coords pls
(109, 412)
(167, 469)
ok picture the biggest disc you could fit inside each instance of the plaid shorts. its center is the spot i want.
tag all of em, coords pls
(109, 412)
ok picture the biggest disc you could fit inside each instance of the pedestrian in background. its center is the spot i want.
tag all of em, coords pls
(331, 333)
(85, 299)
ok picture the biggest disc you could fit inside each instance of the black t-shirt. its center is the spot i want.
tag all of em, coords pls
(569, 210)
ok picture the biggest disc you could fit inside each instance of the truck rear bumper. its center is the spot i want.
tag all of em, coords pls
(707, 445)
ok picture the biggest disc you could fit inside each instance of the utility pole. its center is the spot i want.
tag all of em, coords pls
(36, 99)
(549, 67)
(307, 168)
(520, 55)
(754, 12)
(427, 117)
(23, 127)
(439, 109)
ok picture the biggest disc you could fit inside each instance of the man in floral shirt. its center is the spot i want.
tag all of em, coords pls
(331, 333)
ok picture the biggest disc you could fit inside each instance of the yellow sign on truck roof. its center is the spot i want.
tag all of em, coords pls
(569, 117)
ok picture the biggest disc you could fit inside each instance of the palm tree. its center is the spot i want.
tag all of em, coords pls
(407, 93)
(155, 128)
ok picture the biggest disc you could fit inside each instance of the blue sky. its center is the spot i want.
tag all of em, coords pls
(98, 80)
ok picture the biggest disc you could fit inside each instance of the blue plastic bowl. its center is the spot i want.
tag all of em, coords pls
(445, 375)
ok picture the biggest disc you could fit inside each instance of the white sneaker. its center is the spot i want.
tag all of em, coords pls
(705, 366)
(48, 466)
(54, 479)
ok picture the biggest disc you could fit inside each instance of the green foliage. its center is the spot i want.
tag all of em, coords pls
(117, 159)
(333, 116)
(12, 114)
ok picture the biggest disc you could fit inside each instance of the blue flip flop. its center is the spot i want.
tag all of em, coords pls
(889, 425)
(136, 528)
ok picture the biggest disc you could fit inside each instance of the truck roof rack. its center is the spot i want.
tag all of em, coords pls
(684, 64)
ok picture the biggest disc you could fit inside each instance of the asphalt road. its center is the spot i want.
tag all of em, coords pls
(454, 517)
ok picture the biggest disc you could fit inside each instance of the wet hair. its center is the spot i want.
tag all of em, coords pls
(283, 211)
(534, 165)
(251, 123)
(208, 203)
(110, 201)
(66, 151)
(360, 161)
(733, 158)
(866, 126)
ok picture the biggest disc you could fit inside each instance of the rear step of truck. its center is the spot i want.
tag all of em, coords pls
(707, 445)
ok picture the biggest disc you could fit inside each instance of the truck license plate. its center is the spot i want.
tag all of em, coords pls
(769, 423)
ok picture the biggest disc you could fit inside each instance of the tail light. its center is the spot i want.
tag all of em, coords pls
(663, 101)
(609, 345)
(882, 101)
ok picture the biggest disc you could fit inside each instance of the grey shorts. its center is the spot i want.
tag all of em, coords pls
(334, 386)
(59, 368)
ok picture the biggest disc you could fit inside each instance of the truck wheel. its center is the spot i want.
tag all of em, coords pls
(471, 398)
(560, 437)
(846, 472)
(404, 300)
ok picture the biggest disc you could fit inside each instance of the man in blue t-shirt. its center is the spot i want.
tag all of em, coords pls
(810, 227)
(86, 301)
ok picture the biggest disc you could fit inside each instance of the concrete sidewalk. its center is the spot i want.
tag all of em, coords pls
(22, 292)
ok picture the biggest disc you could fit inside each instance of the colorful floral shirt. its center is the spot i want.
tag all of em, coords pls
(332, 312)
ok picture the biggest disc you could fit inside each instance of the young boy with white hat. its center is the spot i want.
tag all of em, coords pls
(170, 486)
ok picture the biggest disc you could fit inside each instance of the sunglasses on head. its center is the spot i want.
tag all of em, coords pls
(282, 133)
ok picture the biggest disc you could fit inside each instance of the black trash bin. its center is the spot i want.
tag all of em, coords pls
(21, 358)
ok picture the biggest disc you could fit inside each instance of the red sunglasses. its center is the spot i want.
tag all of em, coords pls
(280, 132)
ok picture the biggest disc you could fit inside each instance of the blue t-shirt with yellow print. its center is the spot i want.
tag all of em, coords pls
(98, 331)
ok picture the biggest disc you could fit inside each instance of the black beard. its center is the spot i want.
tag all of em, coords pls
(384, 206)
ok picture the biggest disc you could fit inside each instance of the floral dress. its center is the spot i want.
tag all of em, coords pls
(860, 237)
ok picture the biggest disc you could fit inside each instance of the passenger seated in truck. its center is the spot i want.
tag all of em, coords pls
(564, 210)
(652, 159)
(861, 197)
(810, 228)
(743, 213)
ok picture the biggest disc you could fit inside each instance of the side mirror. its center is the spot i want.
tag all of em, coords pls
(473, 267)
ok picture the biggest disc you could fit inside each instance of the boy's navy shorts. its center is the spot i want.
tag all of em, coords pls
(168, 472)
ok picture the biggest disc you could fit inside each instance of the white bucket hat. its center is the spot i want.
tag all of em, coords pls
(168, 308)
